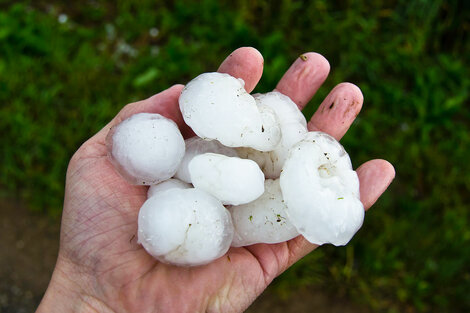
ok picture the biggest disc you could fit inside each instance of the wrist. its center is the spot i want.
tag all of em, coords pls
(67, 293)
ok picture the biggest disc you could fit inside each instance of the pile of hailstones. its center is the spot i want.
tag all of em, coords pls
(254, 174)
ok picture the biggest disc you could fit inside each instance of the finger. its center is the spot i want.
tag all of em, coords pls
(374, 177)
(337, 112)
(304, 77)
(245, 63)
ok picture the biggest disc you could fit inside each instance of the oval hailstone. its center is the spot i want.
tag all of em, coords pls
(321, 190)
(293, 128)
(185, 227)
(167, 185)
(217, 106)
(230, 179)
(263, 220)
(196, 146)
(146, 148)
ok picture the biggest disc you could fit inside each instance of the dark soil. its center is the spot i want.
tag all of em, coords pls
(29, 244)
(28, 248)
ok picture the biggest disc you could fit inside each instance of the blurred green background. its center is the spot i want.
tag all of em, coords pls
(67, 68)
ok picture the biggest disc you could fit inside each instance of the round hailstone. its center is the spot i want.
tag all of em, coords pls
(231, 180)
(263, 220)
(146, 148)
(216, 106)
(166, 185)
(196, 146)
(293, 129)
(321, 190)
(185, 227)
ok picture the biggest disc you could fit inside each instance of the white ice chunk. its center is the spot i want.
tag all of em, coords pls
(166, 185)
(196, 146)
(263, 220)
(230, 179)
(217, 106)
(146, 148)
(321, 190)
(185, 227)
(293, 129)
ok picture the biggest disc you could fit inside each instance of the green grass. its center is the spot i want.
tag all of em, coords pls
(61, 82)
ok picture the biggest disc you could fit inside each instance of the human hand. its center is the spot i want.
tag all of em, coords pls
(101, 267)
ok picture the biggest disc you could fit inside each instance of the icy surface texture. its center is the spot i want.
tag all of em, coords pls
(263, 220)
(216, 106)
(230, 179)
(185, 227)
(293, 129)
(166, 185)
(146, 148)
(321, 190)
(196, 146)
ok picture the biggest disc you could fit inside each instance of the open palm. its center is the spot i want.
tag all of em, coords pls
(101, 267)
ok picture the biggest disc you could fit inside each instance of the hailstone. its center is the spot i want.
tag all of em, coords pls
(196, 146)
(293, 128)
(166, 185)
(264, 220)
(146, 148)
(184, 227)
(321, 190)
(230, 179)
(217, 106)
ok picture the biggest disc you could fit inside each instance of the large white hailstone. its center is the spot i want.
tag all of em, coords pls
(263, 220)
(146, 148)
(196, 146)
(166, 185)
(321, 190)
(185, 227)
(230, 179)
(217, 106)
(293, 129)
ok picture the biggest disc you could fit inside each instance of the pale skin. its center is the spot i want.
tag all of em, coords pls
(102, 268)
